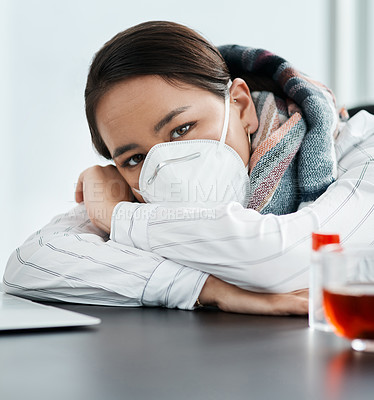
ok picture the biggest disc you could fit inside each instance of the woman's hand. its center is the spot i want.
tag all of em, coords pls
(231, 298)
(101, 188)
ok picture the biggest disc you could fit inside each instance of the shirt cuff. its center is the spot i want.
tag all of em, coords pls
(129, 224)
(174, 286)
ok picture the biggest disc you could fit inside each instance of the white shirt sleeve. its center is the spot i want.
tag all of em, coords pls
(262, 252)
(71, 260)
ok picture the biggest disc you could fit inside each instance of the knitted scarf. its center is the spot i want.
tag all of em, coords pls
(293, 158)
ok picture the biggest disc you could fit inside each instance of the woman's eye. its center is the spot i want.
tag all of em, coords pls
(133, 161)
(181, 131)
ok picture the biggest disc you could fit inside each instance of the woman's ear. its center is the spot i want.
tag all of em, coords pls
(241, 97)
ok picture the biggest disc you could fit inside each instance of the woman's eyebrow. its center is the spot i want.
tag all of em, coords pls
(122, 149)
(165, 120)
(168, 117)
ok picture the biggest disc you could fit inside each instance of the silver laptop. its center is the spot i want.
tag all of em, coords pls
(19, 313)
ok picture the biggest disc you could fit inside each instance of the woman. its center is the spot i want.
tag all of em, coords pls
(115, 249)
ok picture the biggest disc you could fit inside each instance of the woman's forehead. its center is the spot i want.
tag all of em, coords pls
(148, 93)
(142, 99)
(149, 88)
(139, 103)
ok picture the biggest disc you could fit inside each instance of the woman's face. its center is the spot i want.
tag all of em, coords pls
(141, 112)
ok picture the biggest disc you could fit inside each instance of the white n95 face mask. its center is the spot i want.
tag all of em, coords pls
(199, 172)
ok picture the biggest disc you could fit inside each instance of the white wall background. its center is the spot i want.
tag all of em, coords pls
(46, 48)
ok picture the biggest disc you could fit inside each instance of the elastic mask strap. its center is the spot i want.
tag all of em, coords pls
(227, 116)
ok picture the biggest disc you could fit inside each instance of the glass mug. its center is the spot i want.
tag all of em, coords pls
(348, 292)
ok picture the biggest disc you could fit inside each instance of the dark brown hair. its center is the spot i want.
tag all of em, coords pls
(170, 50)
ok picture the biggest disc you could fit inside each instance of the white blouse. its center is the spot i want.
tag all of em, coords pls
(162, 256)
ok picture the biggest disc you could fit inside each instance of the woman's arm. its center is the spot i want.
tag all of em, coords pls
(71, 260)
(231, 298)
(261, 252)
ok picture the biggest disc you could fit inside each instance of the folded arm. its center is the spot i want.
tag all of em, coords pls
(71, 260)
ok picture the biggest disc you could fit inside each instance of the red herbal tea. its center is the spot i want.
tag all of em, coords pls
(351, 310)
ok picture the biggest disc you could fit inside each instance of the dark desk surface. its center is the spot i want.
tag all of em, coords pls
(153, 353)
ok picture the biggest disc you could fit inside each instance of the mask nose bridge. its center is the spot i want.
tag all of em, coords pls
(163, 164)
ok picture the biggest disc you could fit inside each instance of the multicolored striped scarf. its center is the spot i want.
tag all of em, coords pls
(293, 156)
